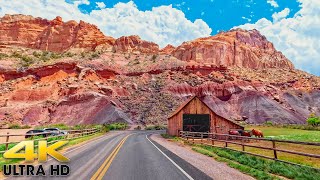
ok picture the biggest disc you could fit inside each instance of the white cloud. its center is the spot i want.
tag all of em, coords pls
(163, 24)
(297, 37)
(101, 5)
(280, 15)
(273, 3)
(245, 18)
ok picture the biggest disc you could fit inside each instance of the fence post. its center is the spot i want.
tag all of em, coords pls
(187, 135)
(274, 149)
(212, 140)
(192, 138)
(226, 141)
(201, 138)
(242, 141)
(7, 141)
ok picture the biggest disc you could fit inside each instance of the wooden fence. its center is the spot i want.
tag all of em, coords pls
(70, 134)
(210, 139)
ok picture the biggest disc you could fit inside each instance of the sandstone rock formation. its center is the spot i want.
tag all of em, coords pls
(238, 73)
(168, 49)
(238, 48)
(54, 35)
(134, 44)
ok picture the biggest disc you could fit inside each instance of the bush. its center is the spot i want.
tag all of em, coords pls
(26, 61)
(60, 126)
(313, 120)
(17, 126)
(268, 123)
(154, 57)
(116, 126)
(156, 127)
(16, 54)
(2, 55)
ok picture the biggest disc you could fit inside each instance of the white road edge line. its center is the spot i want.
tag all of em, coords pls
(175, 164)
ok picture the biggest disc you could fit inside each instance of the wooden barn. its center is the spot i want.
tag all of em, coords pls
(194, 115)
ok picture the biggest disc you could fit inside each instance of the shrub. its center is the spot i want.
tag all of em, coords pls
(154, 57)
(116, 126)
(156, 127)
(95, 55)
(313, 120)
(268, 123)
(60, 126)
(2, 55)
(36, 54)
(167, 136)
(26, 60)
(16, 54)
(17, 126)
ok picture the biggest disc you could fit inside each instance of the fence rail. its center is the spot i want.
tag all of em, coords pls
(70, 134)
(239, 140)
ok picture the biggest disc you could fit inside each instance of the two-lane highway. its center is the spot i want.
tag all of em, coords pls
(125, 155)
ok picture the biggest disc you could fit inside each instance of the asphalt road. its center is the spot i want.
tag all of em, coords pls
(127, 155)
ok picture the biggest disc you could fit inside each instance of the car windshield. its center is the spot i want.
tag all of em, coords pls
(51, 129)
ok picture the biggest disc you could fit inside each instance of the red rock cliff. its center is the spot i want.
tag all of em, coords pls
(54, 35)
(238, 48)
(135, 44)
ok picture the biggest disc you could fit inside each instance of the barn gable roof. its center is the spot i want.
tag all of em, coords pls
(189, 100)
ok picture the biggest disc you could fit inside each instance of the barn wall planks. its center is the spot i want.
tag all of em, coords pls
(196, 106)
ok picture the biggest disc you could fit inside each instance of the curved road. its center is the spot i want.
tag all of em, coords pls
(126, 155)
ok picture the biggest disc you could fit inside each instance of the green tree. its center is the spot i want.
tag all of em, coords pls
(313, 120)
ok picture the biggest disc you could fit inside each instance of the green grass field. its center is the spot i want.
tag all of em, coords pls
(288, 134)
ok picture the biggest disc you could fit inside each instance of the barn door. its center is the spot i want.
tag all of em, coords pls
(196, 122)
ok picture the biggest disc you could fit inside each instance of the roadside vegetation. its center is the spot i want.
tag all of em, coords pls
(156, 127)
(258, 167)
(18, 126)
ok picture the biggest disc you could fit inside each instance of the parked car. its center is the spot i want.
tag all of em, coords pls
(53, 131)
(30, 132)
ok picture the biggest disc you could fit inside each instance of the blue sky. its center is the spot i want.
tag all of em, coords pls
(293, 26)
(220, 15)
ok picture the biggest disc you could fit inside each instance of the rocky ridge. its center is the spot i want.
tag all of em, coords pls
(91, 78)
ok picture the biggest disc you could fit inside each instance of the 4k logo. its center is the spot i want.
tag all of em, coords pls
(43, 150)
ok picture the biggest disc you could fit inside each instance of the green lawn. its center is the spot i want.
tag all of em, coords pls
(288, 134)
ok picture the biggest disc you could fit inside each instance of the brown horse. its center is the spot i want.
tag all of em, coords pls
(246, 133)
(235, 133)
(257, 133)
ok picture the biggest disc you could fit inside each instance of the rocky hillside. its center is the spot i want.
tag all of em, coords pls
(69, 72)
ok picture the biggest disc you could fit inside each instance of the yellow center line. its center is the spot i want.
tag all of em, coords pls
(106, 164)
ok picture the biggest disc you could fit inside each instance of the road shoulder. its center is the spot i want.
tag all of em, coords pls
(211, 167)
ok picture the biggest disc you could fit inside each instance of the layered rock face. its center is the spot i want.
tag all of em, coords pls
(55, 35)
(60, 36)
(238, 48)
(255, 103)
(168, 49)
(21, 30)
(238, 73)
(134, 44)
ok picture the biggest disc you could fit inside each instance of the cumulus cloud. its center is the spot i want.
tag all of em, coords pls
(297, 37)
(101, 5)
(273, 3)
(163, 24)
(280, 15)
